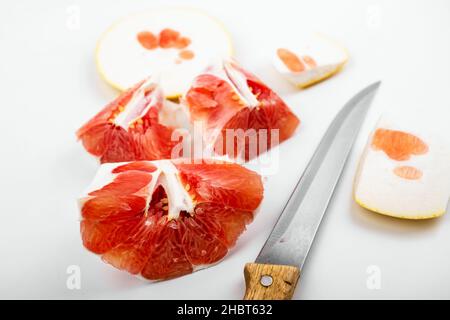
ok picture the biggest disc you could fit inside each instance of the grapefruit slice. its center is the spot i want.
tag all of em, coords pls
(404, 171)
(241, 117)
(135, 126)
(175, 43)
(164, 219)
(310, 61)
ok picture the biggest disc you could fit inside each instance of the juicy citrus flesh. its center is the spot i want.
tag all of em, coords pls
(132, 232)
(148, 40)
(216, 101)
(167, 39)
(142, 139)
(293, 62)
(408, 172)
(398, 145)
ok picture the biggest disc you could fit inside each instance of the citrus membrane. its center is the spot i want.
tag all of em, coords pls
(163, 219)
(137, 125)
(237, 109)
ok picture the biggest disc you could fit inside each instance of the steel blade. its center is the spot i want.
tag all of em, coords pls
(294, 232)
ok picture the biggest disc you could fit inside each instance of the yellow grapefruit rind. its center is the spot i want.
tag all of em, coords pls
(322, 78)
(116, 86)
(390, 214)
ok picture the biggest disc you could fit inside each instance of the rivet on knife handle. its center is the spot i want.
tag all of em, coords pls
(269, 281)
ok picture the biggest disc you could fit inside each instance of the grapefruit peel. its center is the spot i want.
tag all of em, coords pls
(403, 171)
(122, 61)
(314, 60)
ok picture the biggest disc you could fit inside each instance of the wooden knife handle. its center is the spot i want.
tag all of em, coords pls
(269, 281)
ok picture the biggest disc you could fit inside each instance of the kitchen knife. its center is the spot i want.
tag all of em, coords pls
(276, 270)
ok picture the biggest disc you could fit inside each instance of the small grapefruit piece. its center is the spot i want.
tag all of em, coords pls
(290, 60)
(186, 54)
(398, 145)
(408, 172)
(173, 218)
(182, 42)
(241, 116)
(404, 171)
(310, 60)
(168, 38)
(148, 43)
(148, 40)
(131, 127)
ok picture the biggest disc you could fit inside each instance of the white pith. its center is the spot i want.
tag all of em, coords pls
(310, 75)
(165, 175)
(379, 189)
(242, 95)
(118, 44)
(175, 115)
(239, 83)
(177, 196)
(139, 97)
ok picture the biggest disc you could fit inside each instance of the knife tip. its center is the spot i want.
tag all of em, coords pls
(375, 85)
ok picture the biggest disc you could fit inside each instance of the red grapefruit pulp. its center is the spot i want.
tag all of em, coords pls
(129, 128)
(230, 99)
(163, 219)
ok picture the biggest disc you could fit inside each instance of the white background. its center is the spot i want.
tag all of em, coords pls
(49, 87)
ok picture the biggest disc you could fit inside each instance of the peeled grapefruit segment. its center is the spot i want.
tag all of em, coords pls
(240, 116)
(132, 127)
(175, 43)
(174, 217)
(404, 171)
(310, 59)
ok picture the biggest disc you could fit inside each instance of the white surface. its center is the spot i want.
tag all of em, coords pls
(49, 87)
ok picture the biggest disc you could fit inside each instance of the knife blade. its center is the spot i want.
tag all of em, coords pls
(276, 270)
